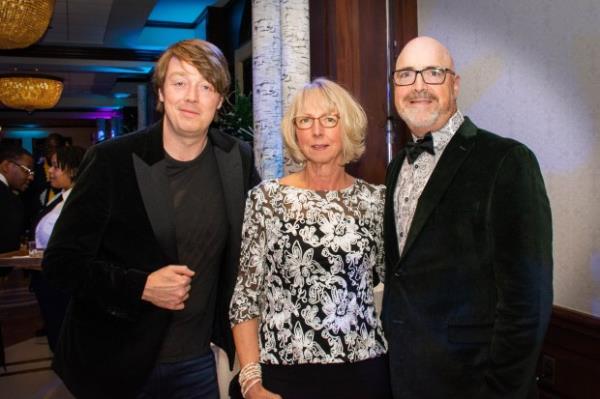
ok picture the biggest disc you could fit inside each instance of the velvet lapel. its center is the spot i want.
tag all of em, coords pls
(454, 155)
(230, 171)
(389, 218)
(152, 181)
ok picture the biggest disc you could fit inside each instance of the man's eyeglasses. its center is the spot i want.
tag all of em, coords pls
(24, 168)
(431, 76)
(306, 122)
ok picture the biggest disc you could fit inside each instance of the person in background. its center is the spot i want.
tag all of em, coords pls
(62, 174)
(16, 173)
(54, 141)
(148, 243)
(468, 241)
(40, 192)
(303, 311)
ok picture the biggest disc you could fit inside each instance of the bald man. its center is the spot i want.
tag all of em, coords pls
(468, 239)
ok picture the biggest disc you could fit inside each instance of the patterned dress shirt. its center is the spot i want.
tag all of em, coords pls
(413, 178)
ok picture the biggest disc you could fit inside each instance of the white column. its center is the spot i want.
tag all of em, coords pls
(266, 87)
(281, 65)
(295, 56)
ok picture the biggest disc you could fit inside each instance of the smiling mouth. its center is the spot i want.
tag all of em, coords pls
(319, 147)
(189, 112)
(421, 101)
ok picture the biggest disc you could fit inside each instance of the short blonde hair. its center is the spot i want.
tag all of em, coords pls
(205, 56)
(334, 99)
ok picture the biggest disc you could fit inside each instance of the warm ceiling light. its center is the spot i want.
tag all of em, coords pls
(23, 22)
(29, 93)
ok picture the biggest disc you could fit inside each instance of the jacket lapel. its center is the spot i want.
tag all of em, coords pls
(230, 172)
(152, 181)
(390, 234)
(454, 155)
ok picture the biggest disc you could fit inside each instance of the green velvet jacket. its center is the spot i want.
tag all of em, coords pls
(467, 303)
(115, 229)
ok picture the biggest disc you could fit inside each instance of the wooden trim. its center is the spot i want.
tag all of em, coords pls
(583, 322)
(569, 365)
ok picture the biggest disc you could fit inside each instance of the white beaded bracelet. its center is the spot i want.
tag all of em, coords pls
(250, 375)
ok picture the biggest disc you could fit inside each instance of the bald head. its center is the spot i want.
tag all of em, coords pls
(425, 48)
(425, 106)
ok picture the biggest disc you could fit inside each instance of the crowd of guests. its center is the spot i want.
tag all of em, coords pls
(166, 240)
(31, 201)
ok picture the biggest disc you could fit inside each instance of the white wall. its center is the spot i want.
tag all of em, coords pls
(531, 71)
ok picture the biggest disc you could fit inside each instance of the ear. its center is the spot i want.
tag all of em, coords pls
(161, 97)
(456, 85)
(220, 103)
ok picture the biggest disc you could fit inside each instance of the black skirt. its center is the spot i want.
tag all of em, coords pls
(369, 379)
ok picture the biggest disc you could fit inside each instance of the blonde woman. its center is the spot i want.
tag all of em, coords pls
(303, 315)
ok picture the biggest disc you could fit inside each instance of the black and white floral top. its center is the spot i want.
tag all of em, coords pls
(306, 270)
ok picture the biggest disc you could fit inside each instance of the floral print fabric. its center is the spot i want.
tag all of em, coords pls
(307, 265)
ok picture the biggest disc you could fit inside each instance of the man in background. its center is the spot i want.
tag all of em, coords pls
(468, 241)
(16, 172)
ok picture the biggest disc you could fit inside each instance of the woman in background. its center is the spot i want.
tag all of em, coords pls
(64, 165)
(303, 312)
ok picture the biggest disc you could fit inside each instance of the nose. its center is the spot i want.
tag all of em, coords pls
(317, 129)
(419, 82)
(191, 94)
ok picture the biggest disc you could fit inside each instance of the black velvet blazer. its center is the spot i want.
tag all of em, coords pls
(467, 303)
(115, 229)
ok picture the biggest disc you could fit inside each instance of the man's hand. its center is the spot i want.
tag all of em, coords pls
(168, 287)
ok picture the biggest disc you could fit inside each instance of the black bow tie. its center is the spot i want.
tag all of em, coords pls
(415, 148)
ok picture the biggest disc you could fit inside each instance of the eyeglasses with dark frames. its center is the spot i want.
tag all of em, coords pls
(306, 122)
(430, 75)
(24, 168)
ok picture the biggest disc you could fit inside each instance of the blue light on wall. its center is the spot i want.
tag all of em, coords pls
(180, 11)
(26, 134)
(100, 130)
(157, 38)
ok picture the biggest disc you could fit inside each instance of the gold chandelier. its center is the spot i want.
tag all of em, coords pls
(23, 22)
(29, 92)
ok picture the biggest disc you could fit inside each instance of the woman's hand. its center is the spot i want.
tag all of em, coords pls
(257, 391)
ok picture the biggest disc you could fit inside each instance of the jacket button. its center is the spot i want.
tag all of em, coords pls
(397, 274)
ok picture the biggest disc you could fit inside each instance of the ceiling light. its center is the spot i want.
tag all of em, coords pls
(23, 22)
(30, 92)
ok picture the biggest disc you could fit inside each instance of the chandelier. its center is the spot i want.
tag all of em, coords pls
(29, 92)
(23, 22)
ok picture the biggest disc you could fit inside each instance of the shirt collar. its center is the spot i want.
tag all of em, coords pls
(442, 136)
(3, 179)
(66, 193)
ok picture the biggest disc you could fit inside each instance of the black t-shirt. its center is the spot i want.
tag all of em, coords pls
(201, 227)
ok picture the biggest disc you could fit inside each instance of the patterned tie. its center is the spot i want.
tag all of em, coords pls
(414, 149)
